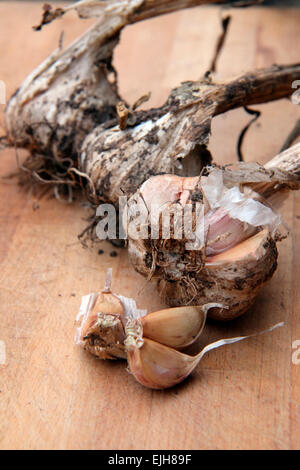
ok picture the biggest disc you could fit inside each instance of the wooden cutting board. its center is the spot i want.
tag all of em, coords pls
(53, 395)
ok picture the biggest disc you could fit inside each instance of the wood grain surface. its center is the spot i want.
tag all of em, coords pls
(53, 395)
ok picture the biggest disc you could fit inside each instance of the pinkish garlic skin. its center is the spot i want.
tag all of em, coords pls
(221, 231)
(165, 376)
(218, 224)
(166, 189)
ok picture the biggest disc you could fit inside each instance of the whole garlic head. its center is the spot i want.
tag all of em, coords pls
(227, 260)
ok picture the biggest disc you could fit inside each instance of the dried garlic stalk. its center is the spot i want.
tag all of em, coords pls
(73, 90)
(173, 139)
(70, 94)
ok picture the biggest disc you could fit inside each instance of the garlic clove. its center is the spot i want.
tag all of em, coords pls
(240, 273)
(103, 318)
(252, 247)
(233, 278)
(102, 330)
(223, 232)
(176, 327)
(157, 366)
(175, 188)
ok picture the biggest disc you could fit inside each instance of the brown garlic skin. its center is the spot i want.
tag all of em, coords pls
(103, 317)
(233, 277)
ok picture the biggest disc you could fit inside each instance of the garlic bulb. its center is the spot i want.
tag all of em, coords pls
(64, 98)
(227, 253)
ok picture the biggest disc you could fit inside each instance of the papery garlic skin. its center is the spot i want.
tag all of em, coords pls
(102, 330)
(103, 318)
(222, 232)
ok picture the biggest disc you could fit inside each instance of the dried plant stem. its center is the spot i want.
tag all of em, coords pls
(260, 86)
(174, 138)
(152, 8)
(60, 104)
(288, 160)
(293, 135)
(140, 10)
